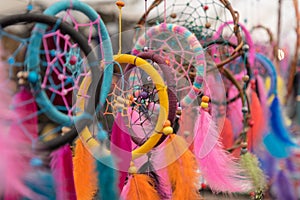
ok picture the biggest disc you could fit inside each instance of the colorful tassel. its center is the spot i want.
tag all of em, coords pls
(252, 167)
(85, 178)
(217, 166)
(62, 169)
(182, 169)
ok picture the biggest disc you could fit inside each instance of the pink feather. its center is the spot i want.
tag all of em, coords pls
(62, 169)
(219, 169)
(121, 148)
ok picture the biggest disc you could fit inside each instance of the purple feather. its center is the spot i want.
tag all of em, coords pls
(62, 169)
(284, 187)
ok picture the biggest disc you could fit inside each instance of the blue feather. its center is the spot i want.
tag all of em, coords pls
(276, 147)
(42, 184)
(277, 124)
(107, 179)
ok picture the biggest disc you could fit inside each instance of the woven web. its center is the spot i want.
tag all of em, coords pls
(178, 55)
(201, 17)
(140, 100)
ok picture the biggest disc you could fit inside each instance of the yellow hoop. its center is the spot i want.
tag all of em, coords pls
(86, 135)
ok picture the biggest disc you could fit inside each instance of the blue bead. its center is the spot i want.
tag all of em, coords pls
(11, 60)
(33, 77)
(29, 7)
(36, 162)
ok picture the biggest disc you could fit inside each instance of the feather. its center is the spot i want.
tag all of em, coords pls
(276, 146)
(148, 169)
(234, 112)
(107, 179)
(218, 167)
(141, 187)
(259, 126)
(252, 166)
(85, 178)
(284, 187)
(121, 149)
(182, 169)
(277, 124)
(269, 166)
(227, 137)
(62, 169)
(41, 182)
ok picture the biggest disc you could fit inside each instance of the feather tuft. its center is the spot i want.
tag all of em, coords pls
(85, 178)
(62, 169)
(182, 169)
(141, 187)
(252, 166)
(218, 167)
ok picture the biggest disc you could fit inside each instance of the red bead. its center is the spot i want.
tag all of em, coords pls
(73, 60)
(252, 82)
(203, 185)
(251, 123)
(205, 7)
(252, 194)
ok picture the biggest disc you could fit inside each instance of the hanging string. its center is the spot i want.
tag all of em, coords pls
(165, 11)
(120, 5)
(146, 8)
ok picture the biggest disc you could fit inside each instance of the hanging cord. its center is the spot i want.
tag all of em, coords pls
(120, 5)
(146, 8)
(165, 11)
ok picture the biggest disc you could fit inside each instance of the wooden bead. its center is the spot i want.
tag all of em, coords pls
(120, 4)
(207, 25)
(244, 144)
(245, 78)
(173, 15)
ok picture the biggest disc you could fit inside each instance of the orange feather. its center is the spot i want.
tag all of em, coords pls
(141, 187)
(85, 178)
(182, 169)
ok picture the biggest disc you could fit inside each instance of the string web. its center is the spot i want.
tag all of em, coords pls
(178, 55)
(136, 92)
(201, 17)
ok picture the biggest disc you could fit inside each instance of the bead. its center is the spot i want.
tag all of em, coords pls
(204, 105)
(144, 95)
(149, 78)
(203, 185)
(205, 7)
(36, 162)
(167, 130)
(244, 144)
(137, 93)
(167, 62)
(145, 49)
(33, 77)
(253, 84)
(244, 109)
(207, 25)
(120, 4)
(256, 72)
(186, 133)
(20, 74)
(245, 47)
(64, 92)
(245, 78)
(167, 123)
(251, 123)
(21, 81)
(205, 99)
(244, 150)
(73, 60)
(132, 169)
(173, 15)
(61, 77)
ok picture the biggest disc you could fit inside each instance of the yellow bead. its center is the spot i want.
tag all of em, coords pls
(167, 130)
(132, 170)
(204, 105)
